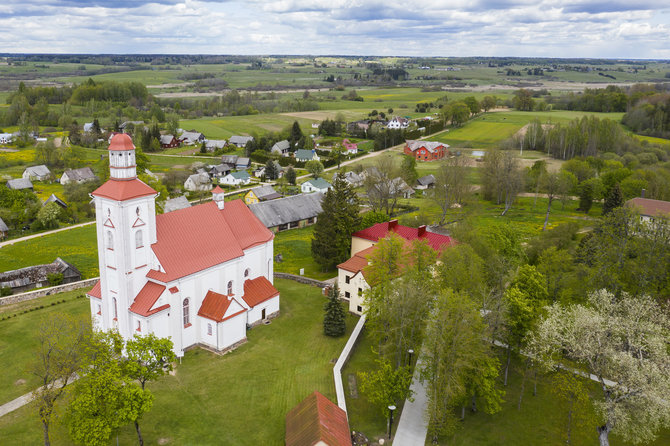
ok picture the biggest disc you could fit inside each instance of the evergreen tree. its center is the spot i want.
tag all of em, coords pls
(613, 199)
(203, 147)
(296, 134)
(338, 219)
(271, 170)
(333, 320)
(291, 175)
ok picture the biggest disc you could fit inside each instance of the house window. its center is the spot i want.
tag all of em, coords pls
(115, 313)
(110, 240)
(347, 279)
(187, 319)
(209, 329)
(139, 326)
(247, 272)
(139, 242)
(230, 287)
(99, 309)
(359, 309)
(360, 291)
(347, 295)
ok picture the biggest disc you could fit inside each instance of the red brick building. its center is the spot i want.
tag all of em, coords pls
(426, 150)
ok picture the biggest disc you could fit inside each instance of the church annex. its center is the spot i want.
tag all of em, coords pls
(198, 275)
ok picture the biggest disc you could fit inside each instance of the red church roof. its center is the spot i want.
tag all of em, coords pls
(95, 291)
(121, 142)
(121, 190)
(202, 236)
(317, 419)
(380, 230)
(146, 299)
(258, 290)
(215, 305)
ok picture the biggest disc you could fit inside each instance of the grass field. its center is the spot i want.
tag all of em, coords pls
(295, 246)
(18, 341)
(77, 246)
(223, 128)
(541, 420)
(240, 398)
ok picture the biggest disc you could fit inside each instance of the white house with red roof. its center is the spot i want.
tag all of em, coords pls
(351, 278)
(198, 275)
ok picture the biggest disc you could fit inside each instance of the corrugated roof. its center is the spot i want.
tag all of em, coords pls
(83, 173)
(258, 290)
(317, 419)
(431, 146)
(319, 183)
(380, 230)
(649, 207)
(281, 145)
(285, 210)
(426, 180)
(236, 139)
(199, 237)
(19, 183)
(121, 190)
(121, 142)
(147, 298)
(215, 306)
(38, 171)
(265, 192)
(176, 203)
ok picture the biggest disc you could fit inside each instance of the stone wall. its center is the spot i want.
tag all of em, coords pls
(30, 295)
(301, 279)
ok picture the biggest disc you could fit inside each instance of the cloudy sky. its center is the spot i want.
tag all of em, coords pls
(554, 28)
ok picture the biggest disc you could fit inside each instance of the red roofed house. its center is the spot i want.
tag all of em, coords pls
(649, 209)
(426, 150)
(350, 147)
(351, 277)
(198, 275)
(317, 421)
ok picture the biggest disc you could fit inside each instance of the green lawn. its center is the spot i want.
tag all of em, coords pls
(240, 398)
(295, 246)
(18, 323)
(541, 420)
(77, 246)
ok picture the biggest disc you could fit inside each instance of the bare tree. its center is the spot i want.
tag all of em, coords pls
(382, 190)
(61, 340)
(510, 177)
(451, 184)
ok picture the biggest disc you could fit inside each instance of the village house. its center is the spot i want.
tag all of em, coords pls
(261, 193)
(129, 125)
(649, 209)
(37, 276)
(242, 163)
(306, 155)
(398, 123)
(198, 181)
(317, 421)
(351, 148)
(81, 175)
(174, 204)
(315, 185)
(191, 138)
(281, 148)
(229, 160)
(240, 141)
(296, 211)
(54, 199)
(425, 182)
(351, 278)
(236, 178)
(212, 145)
(219, 171)
(199, 276)
(20, 184)
(37, 173)
(351, 178)
(6, 138)
(426, 150)
(168, 141)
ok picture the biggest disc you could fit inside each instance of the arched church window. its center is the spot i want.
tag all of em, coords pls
(115, 312)
(139, 242)
(230, 287)
(187, 319)
(110, 240)
(247, 272)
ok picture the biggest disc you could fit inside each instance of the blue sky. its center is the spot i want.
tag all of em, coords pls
(541, 28)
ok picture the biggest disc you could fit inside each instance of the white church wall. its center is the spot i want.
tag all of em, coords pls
(208, 332)
(255, 314)
(232, 330)
(159, 324)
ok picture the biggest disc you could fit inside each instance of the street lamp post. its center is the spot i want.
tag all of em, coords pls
(391, 409)
(411, 352)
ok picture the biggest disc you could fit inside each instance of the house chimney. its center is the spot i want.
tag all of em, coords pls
(393, 224)
(642, 192)
(421, 230)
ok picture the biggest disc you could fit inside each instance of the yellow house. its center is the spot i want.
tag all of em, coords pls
(260, 193)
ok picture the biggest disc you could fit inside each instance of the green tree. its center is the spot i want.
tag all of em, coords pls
(291, 175)
(408, 169)
(60, 340)
(572, 392)
(473, 104)
(271, 170)
(488, 103)
(296, 133)
(386, 385)
(314, 167)
(203, 147)
(457, 113)
(371, 218)
(339, 218)
(589, 190)
(613, 199)
(451, 184)
(334, 318)
(523, 100)
(49, 215)
(147, 359)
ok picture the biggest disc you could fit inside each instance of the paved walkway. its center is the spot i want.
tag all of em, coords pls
(413, 426)
(42, 234)
(15, 404)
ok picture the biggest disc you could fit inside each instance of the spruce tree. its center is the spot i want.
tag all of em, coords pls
(613, 200)
(339, 218)
(333, 320)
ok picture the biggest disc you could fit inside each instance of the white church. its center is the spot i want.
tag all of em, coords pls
(198, 275)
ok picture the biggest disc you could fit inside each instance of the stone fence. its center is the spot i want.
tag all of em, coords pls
(30, 295)
(301, 279)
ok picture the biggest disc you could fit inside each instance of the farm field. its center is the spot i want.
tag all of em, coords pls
(214, 399)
